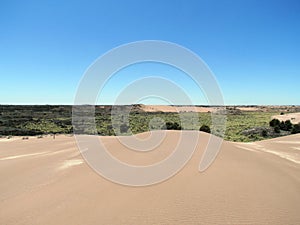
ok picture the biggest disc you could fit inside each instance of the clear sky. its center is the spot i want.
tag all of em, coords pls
(252, 47)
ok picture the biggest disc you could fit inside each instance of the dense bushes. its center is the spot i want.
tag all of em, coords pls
(284, 126)
(287, 125)
(34, 120)
(264, 133)
(173, 126)
(277, 129)
(7, 131)
(296, 129)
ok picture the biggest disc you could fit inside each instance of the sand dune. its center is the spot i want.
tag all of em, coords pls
(46, 181)
(293, 117)
(199, 109)
(170, 108)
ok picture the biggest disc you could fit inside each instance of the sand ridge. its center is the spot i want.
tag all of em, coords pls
(53, 185)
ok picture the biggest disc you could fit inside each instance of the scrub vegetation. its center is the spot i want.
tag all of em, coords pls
(242, 126)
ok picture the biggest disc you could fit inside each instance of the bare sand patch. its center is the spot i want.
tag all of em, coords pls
(250, 109)
(293, 117)
(170, 108)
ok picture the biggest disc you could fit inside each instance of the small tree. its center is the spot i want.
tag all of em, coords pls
(264, 133)
(176, 126)
(296, 129)
(169, 125)
(205, 128)
(277, 129)
(274, 123)
(288, 125)
(282, 126)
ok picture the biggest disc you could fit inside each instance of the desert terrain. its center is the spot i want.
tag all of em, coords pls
(206, 109)
(46, 181)
(293, 117)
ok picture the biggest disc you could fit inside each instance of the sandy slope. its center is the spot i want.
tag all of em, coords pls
(293, 117)
(45, 181)
(199, 109)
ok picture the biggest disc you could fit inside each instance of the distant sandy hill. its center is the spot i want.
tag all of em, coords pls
(206, 109)
(46, 181)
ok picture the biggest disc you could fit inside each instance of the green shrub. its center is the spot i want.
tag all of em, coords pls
(288, 125)
(173, 126)
(296, 129)
(274, 123)
(264, 133)
(277, 129)
(282, 125)
(124, 128)
(205, 128)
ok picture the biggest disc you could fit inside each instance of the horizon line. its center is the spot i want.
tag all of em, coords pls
(196, 105)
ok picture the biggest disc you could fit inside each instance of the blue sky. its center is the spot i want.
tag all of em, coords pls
(252, 47)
